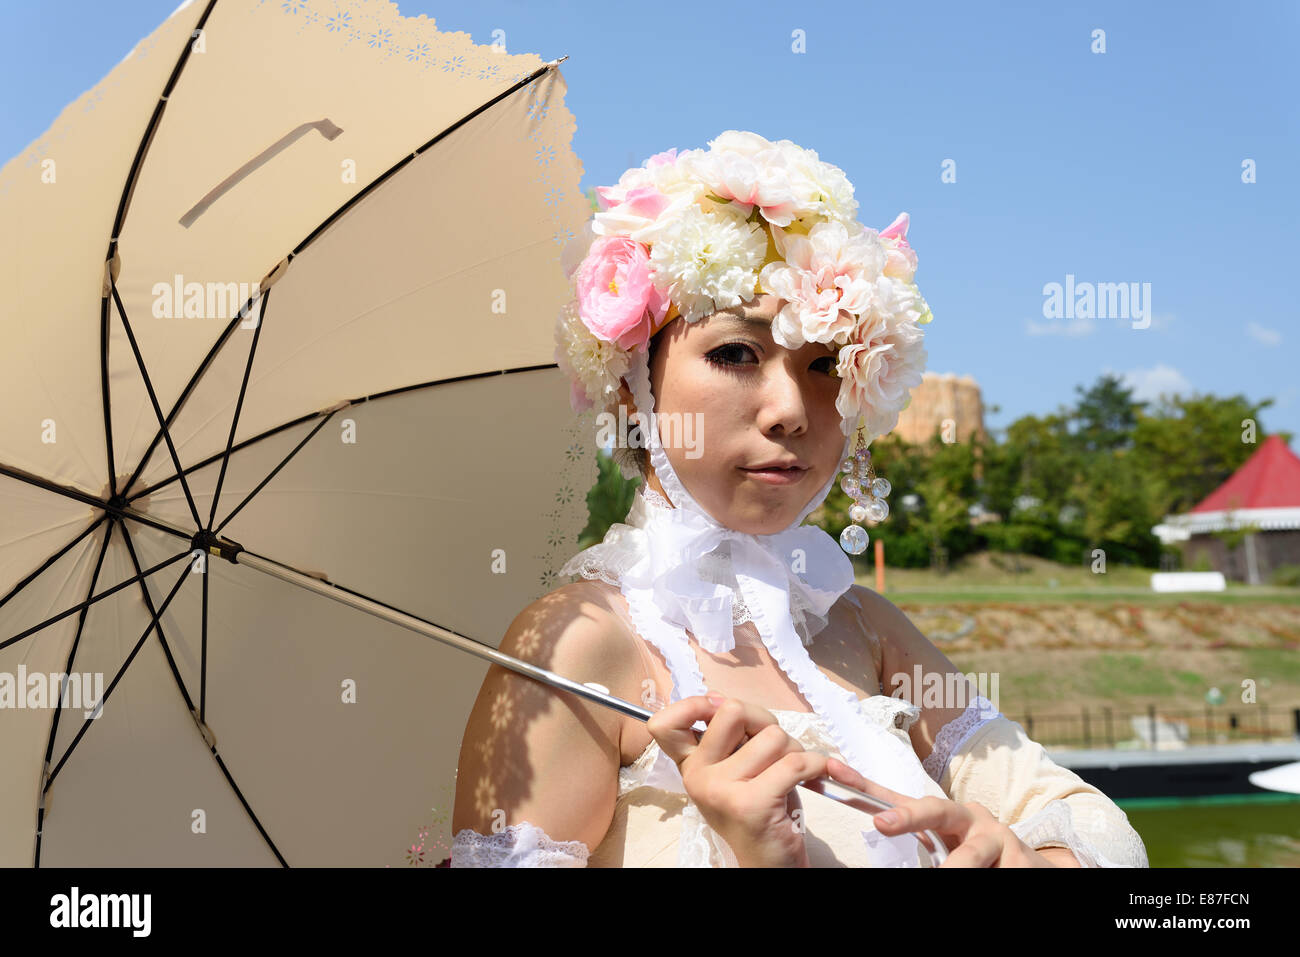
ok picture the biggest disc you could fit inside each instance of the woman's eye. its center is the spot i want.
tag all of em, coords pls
(829, 364)
(732, 354)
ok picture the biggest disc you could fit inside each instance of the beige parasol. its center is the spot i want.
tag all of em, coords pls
(312, 265)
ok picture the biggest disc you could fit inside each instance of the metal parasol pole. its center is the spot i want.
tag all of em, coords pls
(238, 555)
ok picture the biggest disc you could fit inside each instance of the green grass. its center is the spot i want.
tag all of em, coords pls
(1279, 664)
(979, 595)
(990, 577)
(1115, 676)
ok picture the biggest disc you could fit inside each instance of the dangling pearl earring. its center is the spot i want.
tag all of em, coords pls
(868, 493)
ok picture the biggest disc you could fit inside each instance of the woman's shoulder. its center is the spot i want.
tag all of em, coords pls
(577, 630)
(854, 625)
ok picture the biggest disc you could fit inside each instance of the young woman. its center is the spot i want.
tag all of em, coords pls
(732, 300)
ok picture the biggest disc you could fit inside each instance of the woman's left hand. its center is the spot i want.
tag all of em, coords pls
(973, 836)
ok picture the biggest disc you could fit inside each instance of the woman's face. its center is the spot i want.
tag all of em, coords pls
(758, 404)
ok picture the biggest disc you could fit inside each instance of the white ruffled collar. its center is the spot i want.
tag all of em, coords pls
(682, 571)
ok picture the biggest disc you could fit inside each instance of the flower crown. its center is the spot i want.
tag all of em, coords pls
(694, 232)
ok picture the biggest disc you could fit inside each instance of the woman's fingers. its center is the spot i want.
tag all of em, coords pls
(845, 774)
(671, 725)
(982, 849)
(757, 753)
(784, 774)
(948, 818)
(728, 726)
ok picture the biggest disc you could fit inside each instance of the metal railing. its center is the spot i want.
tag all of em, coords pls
(1161, 727)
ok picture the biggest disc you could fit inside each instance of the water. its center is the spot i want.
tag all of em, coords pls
(1230, 831)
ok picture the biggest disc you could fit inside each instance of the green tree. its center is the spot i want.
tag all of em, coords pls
(607, 501)
(1105, 416)
(1189, 446)
(1117, 514)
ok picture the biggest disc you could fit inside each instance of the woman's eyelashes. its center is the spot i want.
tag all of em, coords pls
(731, 355)
(734, 354)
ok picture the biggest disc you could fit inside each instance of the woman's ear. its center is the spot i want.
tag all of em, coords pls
(625, 396)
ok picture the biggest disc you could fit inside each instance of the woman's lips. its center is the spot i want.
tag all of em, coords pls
(777, 476)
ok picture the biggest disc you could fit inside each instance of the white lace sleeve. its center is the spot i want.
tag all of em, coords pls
(955, 733)
(1053, 826)
(991, 761)
(517, 845)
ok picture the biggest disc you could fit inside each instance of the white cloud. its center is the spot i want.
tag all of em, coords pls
(1147, 384)
(1269, 337)
(1160, 322)
(1060, 327)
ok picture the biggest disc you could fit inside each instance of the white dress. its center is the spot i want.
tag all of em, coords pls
(980, 756)
(688, 580)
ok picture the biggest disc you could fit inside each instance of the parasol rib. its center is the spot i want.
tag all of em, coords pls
(153, 400)
(239, 405)
(278, 270)
(72, 653)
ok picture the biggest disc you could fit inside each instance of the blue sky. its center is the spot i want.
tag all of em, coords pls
(1115, 167)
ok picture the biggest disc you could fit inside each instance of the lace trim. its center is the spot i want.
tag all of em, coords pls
(887, 710)
(516, 845)
(955, 733)
(807, 727)
(654, 498)
(620, 550)
(1053, 826)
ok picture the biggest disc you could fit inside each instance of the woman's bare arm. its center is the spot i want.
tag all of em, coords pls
(537, 754)
(903, 647)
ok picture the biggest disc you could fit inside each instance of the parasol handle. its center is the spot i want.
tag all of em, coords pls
(934, 854)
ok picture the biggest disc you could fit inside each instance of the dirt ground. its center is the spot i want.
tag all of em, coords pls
(1057, 659)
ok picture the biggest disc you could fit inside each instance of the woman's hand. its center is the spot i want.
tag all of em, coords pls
(741, 774)
(975, 838)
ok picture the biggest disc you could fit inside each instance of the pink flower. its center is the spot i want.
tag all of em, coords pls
(578, 400)
(897, 229)
(661, 159)
(617, 300)
(901, 260)
(880, 366)
(825, 280)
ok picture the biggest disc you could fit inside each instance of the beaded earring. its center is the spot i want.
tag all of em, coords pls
(868, 492)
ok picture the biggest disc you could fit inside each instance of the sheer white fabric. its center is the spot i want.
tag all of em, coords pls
(684, 574)
(1080, 819)
(617, 553)
(686, 577)
(1053, 826)
(838, 836)
(984, 757)
(518, 845)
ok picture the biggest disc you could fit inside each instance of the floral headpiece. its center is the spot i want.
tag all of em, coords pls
(694, 232)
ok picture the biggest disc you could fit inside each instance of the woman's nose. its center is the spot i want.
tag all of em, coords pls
(783, 403)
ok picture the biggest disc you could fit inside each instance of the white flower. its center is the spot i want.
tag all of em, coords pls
(827, 282)
(831, 191)
(748, 170)
(592, 364)
(706, 261)
(643, 221)
(896, 301)
(880, 367)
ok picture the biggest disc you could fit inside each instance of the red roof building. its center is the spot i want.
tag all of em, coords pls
(1262, 497)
